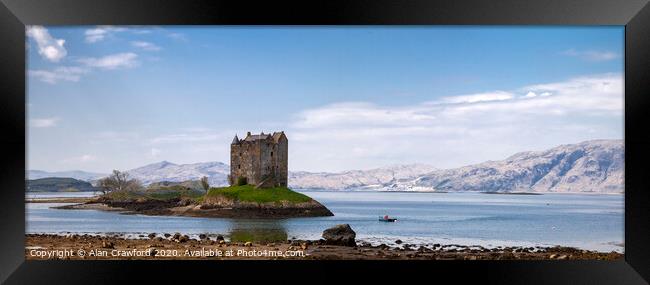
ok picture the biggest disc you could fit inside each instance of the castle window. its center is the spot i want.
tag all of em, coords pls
(271, 154)
(239, 166)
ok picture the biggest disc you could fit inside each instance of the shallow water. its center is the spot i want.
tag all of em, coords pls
(585, 221)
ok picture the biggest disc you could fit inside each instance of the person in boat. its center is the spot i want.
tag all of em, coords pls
(386, 218)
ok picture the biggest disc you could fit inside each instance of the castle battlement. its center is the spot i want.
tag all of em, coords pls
(261, 158)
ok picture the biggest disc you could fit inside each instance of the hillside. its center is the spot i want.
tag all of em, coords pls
(355, 179)
(216, 172)
(190, 184)
(592, 166)
(56, 184)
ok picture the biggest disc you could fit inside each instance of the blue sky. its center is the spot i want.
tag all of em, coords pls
(102, 98)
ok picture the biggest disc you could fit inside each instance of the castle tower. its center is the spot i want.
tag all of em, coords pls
(260, 159)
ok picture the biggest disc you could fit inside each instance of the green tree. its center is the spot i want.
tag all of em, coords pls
(205, 184)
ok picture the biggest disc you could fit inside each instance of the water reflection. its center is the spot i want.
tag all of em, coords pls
(258, 231)
(586, 221)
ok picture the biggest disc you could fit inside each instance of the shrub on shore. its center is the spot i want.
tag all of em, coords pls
(119, 181)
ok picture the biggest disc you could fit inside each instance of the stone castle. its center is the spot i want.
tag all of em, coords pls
(262, 160)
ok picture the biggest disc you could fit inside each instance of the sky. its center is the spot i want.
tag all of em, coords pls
(119, 97)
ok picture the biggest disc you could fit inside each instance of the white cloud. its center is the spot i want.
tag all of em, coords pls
(481, 97)
(95, 35)
(114, 61)
(81, 159)
(177, 37)
(530, 94)
(115, 137)
(592, 55)
(53, 50)
(145, 45)
(74, 73)
(87, 157)
(48, 47)
(191, 135)
(43, 122)
(192, 144)
(62, 73)
(450, 132)
(100, 33)
(140, 31)
(457, 130)
(362, 114)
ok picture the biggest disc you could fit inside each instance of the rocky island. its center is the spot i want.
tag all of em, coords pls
(258, 188)
(228, 202)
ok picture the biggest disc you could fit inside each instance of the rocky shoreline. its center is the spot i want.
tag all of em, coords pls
(179, 246)
(178, 207)
(60, 200)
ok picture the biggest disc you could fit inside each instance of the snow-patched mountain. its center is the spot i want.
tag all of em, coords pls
(217, 172)
(76, 174)
(355, 179)
(592, 166)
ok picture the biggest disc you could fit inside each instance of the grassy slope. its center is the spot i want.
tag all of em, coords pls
(58, 184)
(248, 193)
(163, 193)
(245, 193)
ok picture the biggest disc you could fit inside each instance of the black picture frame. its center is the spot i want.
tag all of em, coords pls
(634, 15)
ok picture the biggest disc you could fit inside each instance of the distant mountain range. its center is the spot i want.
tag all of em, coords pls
(76, 174)
(217, 172)
(591, 166)
(358, 179)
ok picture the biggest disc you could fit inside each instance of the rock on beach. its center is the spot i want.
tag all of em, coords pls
(340, 235)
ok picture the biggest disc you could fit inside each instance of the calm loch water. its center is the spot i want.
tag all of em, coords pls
(592, 222)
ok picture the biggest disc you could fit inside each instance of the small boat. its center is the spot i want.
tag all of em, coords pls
(387, 219)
